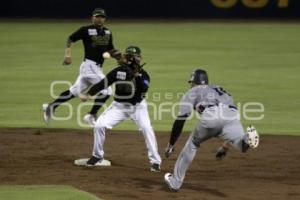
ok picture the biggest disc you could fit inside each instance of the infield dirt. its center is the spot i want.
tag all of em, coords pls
(46, 156)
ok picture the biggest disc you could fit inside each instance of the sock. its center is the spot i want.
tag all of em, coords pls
(63, 97)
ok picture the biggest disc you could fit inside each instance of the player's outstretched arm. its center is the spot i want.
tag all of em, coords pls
(68, 57)
(176, 131)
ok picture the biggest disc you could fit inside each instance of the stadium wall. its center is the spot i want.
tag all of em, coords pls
(279, 9)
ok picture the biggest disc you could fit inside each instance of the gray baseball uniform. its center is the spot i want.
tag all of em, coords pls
(220, 118)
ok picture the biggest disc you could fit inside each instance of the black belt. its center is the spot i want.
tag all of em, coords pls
(230, 106)
(202, 108)
(86, 59)
(209, 106)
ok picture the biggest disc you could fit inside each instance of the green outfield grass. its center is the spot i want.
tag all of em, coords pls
(43, 192)
(256, 62)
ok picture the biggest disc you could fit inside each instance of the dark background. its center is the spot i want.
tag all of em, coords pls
(145, 9)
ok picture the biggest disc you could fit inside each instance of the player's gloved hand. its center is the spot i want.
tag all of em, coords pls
(67, 61)
(221, 153)
(169, 150)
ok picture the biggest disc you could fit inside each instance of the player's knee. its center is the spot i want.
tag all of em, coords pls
(74, 91)
(99, 125)
(107, 91)
(146, 127)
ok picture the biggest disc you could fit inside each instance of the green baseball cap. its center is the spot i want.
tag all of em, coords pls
(99, 12)
(133, 50)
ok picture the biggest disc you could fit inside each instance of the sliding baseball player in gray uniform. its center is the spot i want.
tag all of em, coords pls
(220, 118)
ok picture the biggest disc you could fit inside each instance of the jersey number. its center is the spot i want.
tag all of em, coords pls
(221, 91)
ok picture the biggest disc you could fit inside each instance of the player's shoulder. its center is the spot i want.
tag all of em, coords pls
(214, 86)
(199, 88)
(144, 73)
(123, 69)
(123, 73)
(118, 68)
(85, 27)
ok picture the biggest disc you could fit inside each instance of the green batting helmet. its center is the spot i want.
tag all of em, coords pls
(133, 51)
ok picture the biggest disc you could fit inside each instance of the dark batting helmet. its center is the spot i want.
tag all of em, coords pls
(133, 51)
(133, 57)
(199, 77)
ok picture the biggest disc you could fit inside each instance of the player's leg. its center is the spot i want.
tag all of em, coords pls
(209, 126)
(107, 120)
(141, 118)
(187, 155)
(49, 109)
(234, 134)
(75, 90)
(95, 75)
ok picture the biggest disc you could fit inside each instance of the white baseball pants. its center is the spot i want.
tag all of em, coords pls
(118, 112)
(90, 73)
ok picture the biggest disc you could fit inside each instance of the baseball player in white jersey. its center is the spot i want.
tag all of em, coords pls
(220, 118)
(132, 83)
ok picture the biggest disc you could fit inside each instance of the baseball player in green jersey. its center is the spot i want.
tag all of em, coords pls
(131, 83)
(97, 40)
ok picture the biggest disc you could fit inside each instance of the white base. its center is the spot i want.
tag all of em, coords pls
(83, 162)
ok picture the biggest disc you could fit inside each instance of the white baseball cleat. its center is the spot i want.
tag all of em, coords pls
(167, 178)
(84, 162)
(252, 137)
(46, 113)
(90, 119)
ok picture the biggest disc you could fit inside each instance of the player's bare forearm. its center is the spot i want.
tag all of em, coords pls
(68, 56)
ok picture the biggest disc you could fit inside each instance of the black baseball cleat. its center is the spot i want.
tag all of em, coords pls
(93, 160)
(155, 168)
